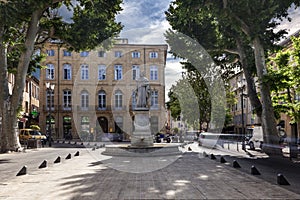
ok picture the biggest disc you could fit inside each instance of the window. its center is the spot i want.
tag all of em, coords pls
(84, 100)
(67, 100)
(85, 126)
(50, 72)
(50, 52)
(153, 73)
(118, 54)
(133, 100)
(101, 72)
(33, 91)
(84, 72)
(118, 124)
(118, 72)
(135, 72)
(67, 72)
(118, 100)
(84, 54)
(153, 54)
(154, 99)
(136, 54)
(50, 99)
(101, 100)
(102, 54)
(67, 53)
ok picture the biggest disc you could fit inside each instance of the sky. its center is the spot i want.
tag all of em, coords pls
(145, 23)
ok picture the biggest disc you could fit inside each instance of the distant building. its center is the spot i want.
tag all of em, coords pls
(94, 90)
(242, 112)
(239, 87)
(29, 113)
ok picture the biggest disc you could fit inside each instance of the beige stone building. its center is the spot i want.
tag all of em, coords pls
(29, 114)
(94, 90)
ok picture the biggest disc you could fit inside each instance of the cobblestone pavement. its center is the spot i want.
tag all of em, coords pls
(94, 176)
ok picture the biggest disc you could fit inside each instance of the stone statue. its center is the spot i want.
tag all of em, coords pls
(142, 92)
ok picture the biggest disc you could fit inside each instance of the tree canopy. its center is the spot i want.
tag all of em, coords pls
(26, 25)
(284, 78)
(243, 28)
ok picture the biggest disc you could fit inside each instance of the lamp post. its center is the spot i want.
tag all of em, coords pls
(241, 85)
(50, 89)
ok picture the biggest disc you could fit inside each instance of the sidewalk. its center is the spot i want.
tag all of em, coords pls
(94, 176)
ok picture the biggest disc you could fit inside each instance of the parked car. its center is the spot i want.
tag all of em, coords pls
(257, 139)
(27, 134)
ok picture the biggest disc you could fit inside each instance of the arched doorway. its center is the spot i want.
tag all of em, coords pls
(67, 127)
(102, 127)
(50, 126)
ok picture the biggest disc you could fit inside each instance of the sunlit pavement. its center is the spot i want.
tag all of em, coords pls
(94, 176)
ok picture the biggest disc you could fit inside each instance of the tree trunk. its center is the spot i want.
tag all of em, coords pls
(3, 92)
(251, 88)
(271, 138)
(11, 103)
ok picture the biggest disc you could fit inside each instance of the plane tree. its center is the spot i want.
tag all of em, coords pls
(243, 28)
(284, 76)
(26, 25)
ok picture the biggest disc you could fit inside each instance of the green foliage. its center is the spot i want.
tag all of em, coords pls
(190, 97)
(284, 79)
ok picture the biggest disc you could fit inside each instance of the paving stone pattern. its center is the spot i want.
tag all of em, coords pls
(190, 176)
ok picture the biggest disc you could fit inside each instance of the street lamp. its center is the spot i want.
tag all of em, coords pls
(50, 89)
(242, 85)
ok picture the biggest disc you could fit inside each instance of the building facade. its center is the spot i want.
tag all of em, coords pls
(242, 112)
(29, 114)
(94, 90)
(243, 106)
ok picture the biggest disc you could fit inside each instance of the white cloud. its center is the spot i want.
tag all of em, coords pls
(294, 25)
(144, 22)
(173, 73)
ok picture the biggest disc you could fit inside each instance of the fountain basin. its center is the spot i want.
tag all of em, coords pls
(160, 149)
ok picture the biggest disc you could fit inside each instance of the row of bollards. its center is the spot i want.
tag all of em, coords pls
(81, 143)
(281, 180)
(44, 164)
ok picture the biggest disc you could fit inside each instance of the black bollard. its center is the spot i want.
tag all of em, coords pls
(57, 160)
(204, 154)
(281, 180)
(23, 171)
(43, 164)
(235, 164)
(68, 156)
(254, 170)
(212, 156)
(189, 149)
(76, 154)
(222, 159)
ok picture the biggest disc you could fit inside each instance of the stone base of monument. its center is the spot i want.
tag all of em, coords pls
(141, 136)
(161, 149)
(142, 140)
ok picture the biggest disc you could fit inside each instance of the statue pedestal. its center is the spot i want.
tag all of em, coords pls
(141, 137)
